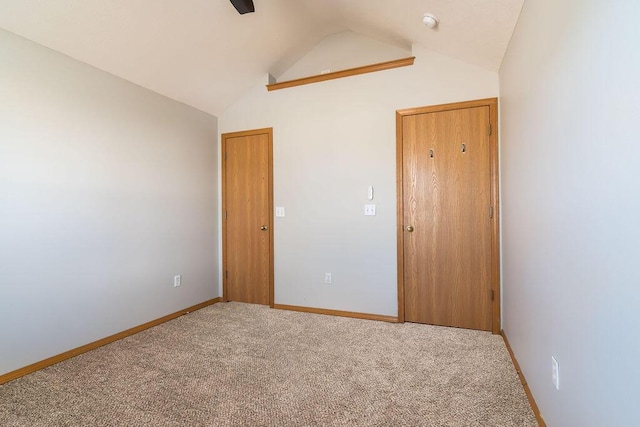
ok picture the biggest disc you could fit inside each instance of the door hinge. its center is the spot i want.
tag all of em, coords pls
(225, 155)
(490, 211)
(493, 296)
(226, 275)
(489, 130)
(226, 215)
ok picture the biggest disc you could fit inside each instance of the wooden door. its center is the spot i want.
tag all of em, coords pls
(447, 218)
(247, 216)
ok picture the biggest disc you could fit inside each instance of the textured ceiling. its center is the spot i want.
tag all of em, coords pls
(204, 54)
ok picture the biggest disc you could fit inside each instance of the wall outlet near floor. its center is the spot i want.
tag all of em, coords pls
(555, 373)
(177, 281)
(327, 277)
(370, 210)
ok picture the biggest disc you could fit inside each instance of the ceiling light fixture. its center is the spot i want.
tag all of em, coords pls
(243, 6)
(429, 20)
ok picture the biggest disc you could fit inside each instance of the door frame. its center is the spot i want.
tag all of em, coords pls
(492, 103)
(224, 137)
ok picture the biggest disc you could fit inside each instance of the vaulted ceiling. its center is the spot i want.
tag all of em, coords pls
(204, 54)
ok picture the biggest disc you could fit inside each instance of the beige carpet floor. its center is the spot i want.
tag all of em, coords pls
(244, 365)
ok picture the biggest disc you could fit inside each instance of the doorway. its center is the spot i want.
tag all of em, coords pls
(247, 216)
(448, 252)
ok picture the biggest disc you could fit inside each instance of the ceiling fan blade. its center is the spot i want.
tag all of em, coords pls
(243, 6)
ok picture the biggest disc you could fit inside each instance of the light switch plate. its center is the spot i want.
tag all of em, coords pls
(555, 373)
(279, 211)
(370, 210)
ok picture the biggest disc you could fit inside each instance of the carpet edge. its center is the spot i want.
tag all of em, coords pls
(339, 313)
(527, 390)
(20, 372)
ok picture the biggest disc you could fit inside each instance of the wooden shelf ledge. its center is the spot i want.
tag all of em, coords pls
(344, 73)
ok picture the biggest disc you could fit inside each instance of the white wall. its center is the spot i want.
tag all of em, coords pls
(107, 190)
(571, 204)
(331, 141)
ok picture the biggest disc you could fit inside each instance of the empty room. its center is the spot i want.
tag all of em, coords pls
(319, 213)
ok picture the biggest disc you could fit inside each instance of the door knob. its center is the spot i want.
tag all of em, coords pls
(410, 228)
(264, 228)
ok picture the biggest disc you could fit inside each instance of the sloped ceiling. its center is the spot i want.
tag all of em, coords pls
(204, 54)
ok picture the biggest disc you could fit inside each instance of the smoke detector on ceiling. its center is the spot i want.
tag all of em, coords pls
(429, 20)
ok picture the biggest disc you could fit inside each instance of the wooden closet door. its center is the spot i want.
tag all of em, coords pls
(446, 216)
(247, 219)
